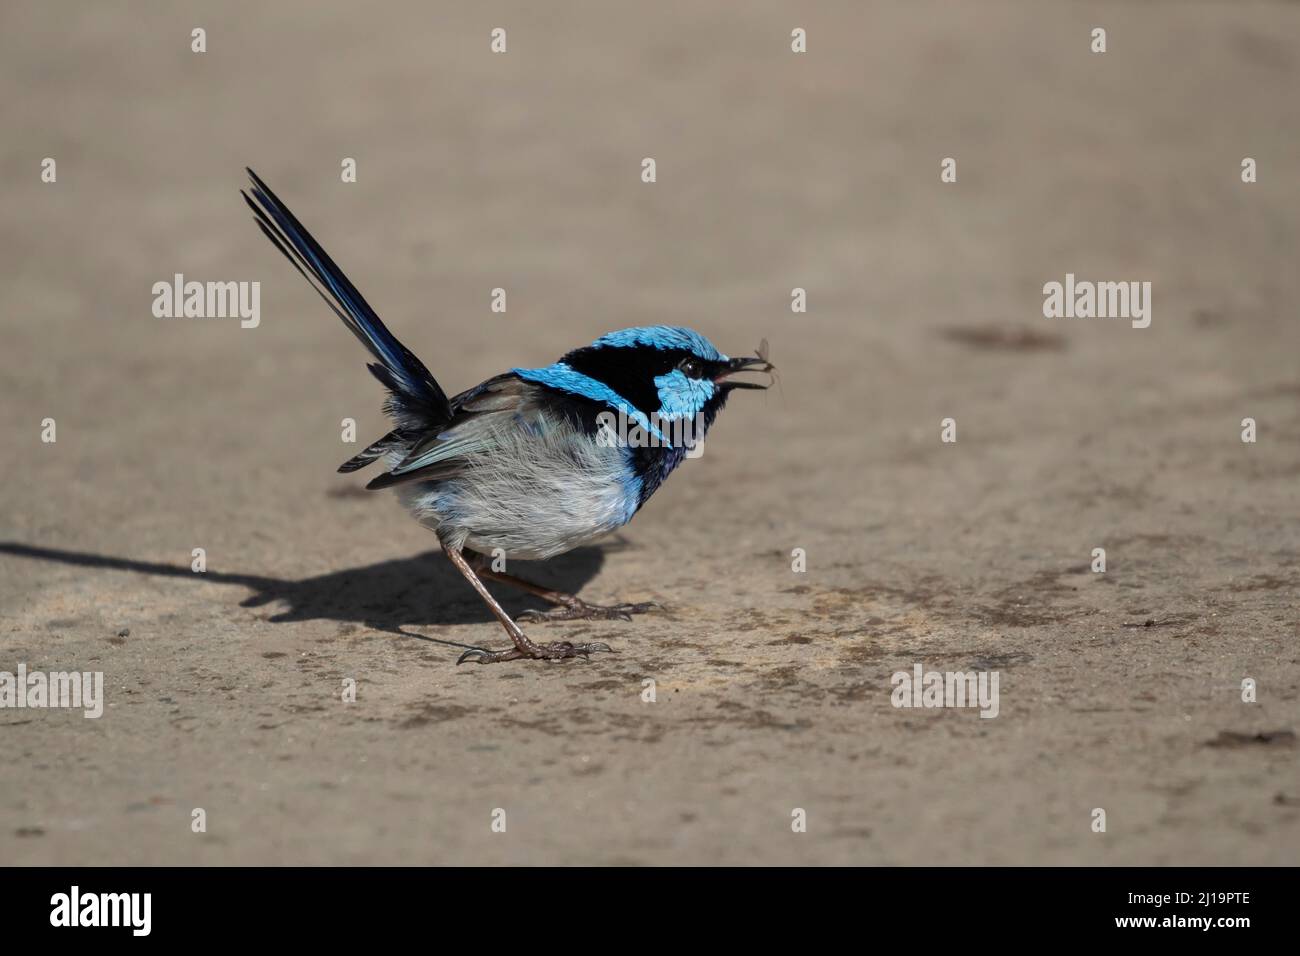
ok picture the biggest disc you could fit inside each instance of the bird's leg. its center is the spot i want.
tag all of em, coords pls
(524, 648)
(568, 607)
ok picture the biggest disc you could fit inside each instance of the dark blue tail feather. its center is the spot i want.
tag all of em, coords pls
(415, 393)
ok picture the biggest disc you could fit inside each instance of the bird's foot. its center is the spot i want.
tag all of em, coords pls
(537, 652)
(580, 610)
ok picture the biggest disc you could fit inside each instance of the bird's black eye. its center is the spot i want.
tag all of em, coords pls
(691, 367)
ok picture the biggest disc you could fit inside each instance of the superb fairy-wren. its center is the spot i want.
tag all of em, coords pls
(526, 464)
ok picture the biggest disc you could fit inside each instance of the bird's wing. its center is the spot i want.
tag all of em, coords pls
(479, 418)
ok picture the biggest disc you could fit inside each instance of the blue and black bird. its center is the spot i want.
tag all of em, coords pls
(523, 462)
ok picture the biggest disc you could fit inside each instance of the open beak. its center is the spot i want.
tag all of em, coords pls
(747, 364)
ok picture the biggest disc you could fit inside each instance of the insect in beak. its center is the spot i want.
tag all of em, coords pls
(756, 363)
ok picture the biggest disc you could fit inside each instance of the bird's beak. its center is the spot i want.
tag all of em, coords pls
(747, 364)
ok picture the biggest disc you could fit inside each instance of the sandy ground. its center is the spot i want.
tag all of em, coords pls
(775, 170)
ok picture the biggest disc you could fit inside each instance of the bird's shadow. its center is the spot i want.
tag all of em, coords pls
(421, 590)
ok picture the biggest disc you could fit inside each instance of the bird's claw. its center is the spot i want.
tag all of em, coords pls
(471, 654)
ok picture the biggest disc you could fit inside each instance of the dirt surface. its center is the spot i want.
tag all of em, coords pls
(773, 688)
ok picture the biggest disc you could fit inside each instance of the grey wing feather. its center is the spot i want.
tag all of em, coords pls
(479, 416)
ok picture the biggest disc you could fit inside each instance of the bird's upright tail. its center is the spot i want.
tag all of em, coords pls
(416, 401)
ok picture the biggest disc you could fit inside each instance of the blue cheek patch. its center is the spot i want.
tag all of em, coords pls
(682, 397)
